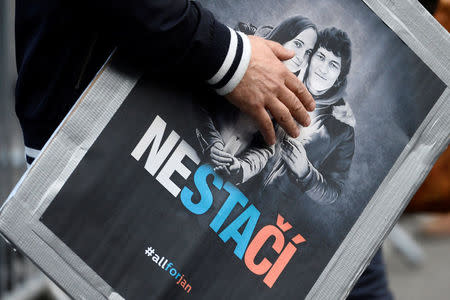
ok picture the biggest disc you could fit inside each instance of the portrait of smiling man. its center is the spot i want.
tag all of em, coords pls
(315, 165)
(324, 71)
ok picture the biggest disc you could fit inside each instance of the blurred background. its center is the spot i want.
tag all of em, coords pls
(417, 252)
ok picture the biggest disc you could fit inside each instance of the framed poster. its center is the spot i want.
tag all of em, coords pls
(158, 189)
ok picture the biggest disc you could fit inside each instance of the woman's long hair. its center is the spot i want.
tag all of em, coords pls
(289, 29)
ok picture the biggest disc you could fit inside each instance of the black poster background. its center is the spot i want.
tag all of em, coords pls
(111, 209)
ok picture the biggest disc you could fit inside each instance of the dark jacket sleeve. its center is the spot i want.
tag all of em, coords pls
(180, 34)
(324, 184)
(254, 159)
(207, 133)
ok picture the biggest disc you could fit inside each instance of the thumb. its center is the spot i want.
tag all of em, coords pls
(279, 51)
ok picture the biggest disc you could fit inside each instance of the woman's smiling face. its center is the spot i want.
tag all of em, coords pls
(302, 45)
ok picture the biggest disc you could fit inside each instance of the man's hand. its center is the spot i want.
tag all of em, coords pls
(268, 86)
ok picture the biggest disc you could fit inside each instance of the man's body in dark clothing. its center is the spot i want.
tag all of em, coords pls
(60, 46)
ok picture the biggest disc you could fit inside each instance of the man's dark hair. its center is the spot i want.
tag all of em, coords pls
(338, 42)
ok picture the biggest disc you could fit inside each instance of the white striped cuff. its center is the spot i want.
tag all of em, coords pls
(234, 65)
(33, 153)
(30, 155)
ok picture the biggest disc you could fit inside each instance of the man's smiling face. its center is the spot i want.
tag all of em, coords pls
(324, 70)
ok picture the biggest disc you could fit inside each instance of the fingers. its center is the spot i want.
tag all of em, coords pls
(218, 145)
(279, 51)
(218, 160)
(287, 154)
(220, 156)
(295, 107)
(288, 149)
(218, 163)
(222, 170)
(265, 125)
(283, 117)
(290, 154)
(295, 143)
(300, 91)
(222, 153)
(218, 169)
(269, 85)
(234, 167)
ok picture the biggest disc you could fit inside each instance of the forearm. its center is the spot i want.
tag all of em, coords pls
(179, 33)
(320, 187)
(325, 183)
(254, 160)
(207, 133)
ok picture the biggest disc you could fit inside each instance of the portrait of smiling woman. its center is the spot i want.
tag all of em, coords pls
(298, 34)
